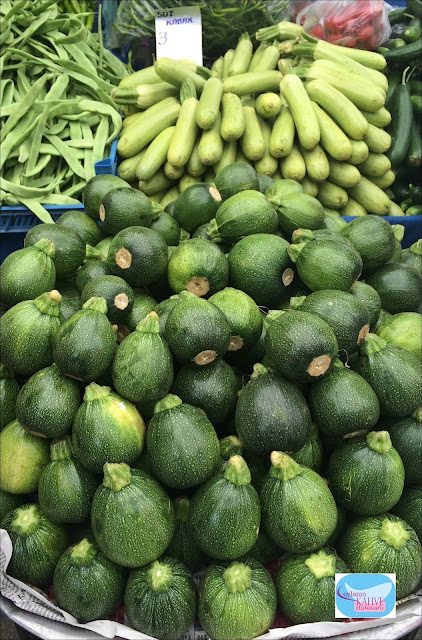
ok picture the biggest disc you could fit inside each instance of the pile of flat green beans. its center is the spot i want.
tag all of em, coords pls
(57, 116)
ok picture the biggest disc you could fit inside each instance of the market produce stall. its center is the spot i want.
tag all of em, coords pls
(211, 350)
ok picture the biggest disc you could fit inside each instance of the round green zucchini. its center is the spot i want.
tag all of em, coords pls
(182, 444)
(196, 205)
(90, 270)
(409, 508)
(9, 391)
(182, 545)
(83, 225)
(393, 373)
(271, 414)
(37, 542)
(366, 474)
(384, 544)
(106, 428)
(306, 586)
(261, 267)
(47, 403)
(85, 344)
(326, 264)
(404, 330)
(236, 602)
(225, 513)
(398, 286)
(406, 436)
(10, 501)
(143, 368)
(196, 330)
(369, 298)
(117, 293)
(132, 517)
(347, 317)
(373, 238)
(167, 227)
(27, 273)
(298, 510)
(343, 402)
(312, 453)
(125, 207)
(236, 177)
(69, 247)
(299, 345)
(86, 584)
(143, 303)
(23, 458)
(243, 315)
(28, 331)
(199, 267)
(66, 488)
(213, 389)
(299, 210)
(160, 599)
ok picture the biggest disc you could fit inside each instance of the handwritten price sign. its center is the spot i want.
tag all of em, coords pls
(178, 34)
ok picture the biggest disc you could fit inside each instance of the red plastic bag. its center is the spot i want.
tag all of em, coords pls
(361, 24)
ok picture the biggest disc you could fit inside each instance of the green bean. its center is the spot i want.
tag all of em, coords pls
(38, 135)
(100, 140)
(56, 128)
(63, 198)
(23, 83)
(58, 88)
(68, 155)
(16, 8)
(75, 130)
(80, 58)
(106, 110)
(25, 148)
(74, 189)
(79, 144)
(37, 208)
(21, 191)
(33, 28)
(17, 136)
(88, 161)
(24, 106)
(50, 149)
(42, 163)
(6, 88)
(72, 37)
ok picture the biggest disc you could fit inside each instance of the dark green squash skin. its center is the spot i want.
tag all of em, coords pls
(23, 458)
(85, 345)
(243, 214)
(109, 287)
(302, 597)
(47, 403)
(243, 315)
(294, 523)
(165, 614)
(272, 415)
(312, 453)
(91, 590)
(183, 447)
(195, 325)
(182, 546)
(107, 429)
(69, 306)
(66, 488)
(409, 508)
(326, 264)
(69, 246)
(343, 402)
(10, 502)
(236, 616)
(35, 556)
(196, 205)
(90, 270)
(364, 481)
(27, 337)
(364, 551)
(197, 258)
(212, 388)
(260, 266)
(133, 526)
(398, 286)
(339, 528)
(294, 340)
(9, 391)
(167, 227)
(406, 436)
(142, 369)
(369, 298)
(237, 177)
(264, 550)
(26, 274)
(346, 316)
(143, 303)
(149, 256)
(216, 534)
(163, 309)
(373, 238)
(83, 225)
(394, 375)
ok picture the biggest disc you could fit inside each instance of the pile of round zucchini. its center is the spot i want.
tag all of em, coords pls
(229, 386)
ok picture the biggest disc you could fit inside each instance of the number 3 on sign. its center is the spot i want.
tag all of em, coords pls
(161, 38)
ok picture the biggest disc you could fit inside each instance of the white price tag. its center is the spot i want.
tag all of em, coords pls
(178, 34)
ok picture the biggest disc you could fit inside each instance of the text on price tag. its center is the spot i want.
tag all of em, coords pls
(178, 34)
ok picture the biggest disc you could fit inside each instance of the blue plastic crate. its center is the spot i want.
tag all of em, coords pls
(16, 221)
